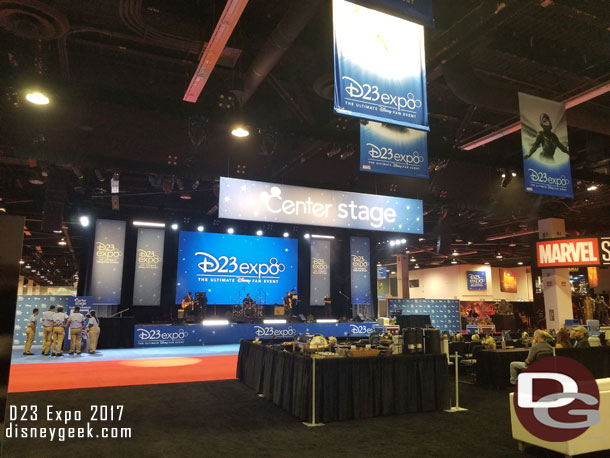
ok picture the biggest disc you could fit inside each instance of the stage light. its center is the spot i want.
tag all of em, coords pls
(174, 226)
(306, 236)
(318, 236)
(37, 98)
(148, 224)
(215, 322)
(259, 232)
(520, 263)
(403, 241)
(62, 242)
(421, 239)
(200, 228)
(240, 131)
(274, 321)
(513, 174)
(286, 234)
(230, 230)
(392, 243)
(84, 221)
(326, 320)
(593, 187)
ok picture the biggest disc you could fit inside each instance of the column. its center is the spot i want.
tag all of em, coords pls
(402, 275)
(555, 282)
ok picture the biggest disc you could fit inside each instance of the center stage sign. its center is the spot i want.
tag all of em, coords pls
(278, 203)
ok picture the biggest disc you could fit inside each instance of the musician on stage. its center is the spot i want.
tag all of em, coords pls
(187, 301)
(328, 304)
(294, 304)
(248, 301)
(288, 303)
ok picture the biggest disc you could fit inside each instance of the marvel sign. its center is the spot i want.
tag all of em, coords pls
(568, 252)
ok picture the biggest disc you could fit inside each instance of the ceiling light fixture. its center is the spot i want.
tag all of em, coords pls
(416, 266)
(200, 228)
(306, 235)
(318, 236)
(84, 220)
(259, 232)
(174, 226)
(148, 224)
(37, 98)
(62, 242)
(230, 230)
(593, 187)
(240, 132)
(286, 234)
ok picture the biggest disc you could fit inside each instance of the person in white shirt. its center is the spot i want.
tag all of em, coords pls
(30, 332)
(94, 332)
(47, 329)
(60, 321)
(77, 320)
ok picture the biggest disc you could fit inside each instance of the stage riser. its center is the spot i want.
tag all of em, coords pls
(147, 335)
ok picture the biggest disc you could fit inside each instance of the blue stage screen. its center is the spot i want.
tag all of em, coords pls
(228, 266)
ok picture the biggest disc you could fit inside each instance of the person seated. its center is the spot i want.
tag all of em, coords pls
(563, 339)
(540, 349)
(579, 336)
(248, 301)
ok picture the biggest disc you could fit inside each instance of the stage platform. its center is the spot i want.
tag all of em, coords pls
(162, 335)
(122, 367)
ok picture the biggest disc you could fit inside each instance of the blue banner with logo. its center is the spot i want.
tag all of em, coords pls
(476, 280)
(149, 267)
(444, 313)
(382, 272)
(229, 266)
(319, 285)
(379, 66)
(544, 142)
(189, 335)
(108, 256)
(360, 261)
(393, 150)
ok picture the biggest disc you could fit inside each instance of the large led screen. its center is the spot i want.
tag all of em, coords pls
(229, 266)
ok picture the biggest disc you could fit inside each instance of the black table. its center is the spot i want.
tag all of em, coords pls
(493, 366)
(346, 388)
(116, 332)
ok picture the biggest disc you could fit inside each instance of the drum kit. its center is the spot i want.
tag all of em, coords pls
(249, 311)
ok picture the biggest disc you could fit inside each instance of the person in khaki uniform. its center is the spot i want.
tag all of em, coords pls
(60, 321)
(94, 332)
(30, 332)
(47, 329)
(77, 320)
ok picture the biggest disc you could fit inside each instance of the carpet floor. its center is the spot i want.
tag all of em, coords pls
(227, 419)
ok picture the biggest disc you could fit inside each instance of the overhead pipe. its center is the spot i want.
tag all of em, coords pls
(474, 90)
(278, 42)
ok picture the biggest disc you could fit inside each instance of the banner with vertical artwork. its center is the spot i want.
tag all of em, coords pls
(108, 256)
(544, 142)
(379, 66)
(360, 260)
(320, 271)
(395, 150)
(149, 267)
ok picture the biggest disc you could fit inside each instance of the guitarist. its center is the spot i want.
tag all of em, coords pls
(187, 301)
(288, 303)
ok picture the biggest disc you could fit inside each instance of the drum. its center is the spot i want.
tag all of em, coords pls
(250, 311)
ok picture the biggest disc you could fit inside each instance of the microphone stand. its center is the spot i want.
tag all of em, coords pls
(349, 307)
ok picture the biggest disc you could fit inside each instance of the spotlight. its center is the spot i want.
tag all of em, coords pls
(486, 263)
(333, 151)
(240, 131)
(286, 234)
(454, 261)
(37, 98)
(403, 241)
(27, 266)
(349, 151)
(62, 242)
(520, 263)
(259, 232)
(392, 243)
(84, 221)
(455, 253)
(416, 266)
(306, 235)
(174, 226)
(78, 173)
(200, 228)
(499, 256)
(513, 174)
(99, 175)
(21, 261)
(412, 259)
(230, 230)
(593, 187)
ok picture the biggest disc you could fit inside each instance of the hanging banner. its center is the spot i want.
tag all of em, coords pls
(544, 142)
(149, 267)
(394, 150)
(382, 272)
(108, 255)
(379, 66)
(320, 271)
(508, 281)
(476, 280)
(279, 203)
(360, 259)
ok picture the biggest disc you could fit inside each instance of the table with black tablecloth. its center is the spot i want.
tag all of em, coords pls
(346, 388)
(116, 332)
(493, 366)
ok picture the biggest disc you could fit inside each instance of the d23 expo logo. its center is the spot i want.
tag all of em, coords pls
(370, 93)
(359, 264)
(148, 259)
(385, 154)
(106, 253)
(319, 266)
(557, 399)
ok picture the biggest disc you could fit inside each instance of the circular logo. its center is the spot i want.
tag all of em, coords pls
(556, 399)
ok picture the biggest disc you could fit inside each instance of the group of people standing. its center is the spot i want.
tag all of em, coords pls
(54, 322)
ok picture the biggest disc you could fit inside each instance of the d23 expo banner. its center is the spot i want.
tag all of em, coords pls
(508, 281)
(379, 66)
(149, 267)
(476, 280)
(382, 272)
(419, 11)
(360, 260)
(444, 313)
(229, 266)
(544, 141)
(394, 150)
(320, 271)
(278, 203)
(108, 255)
